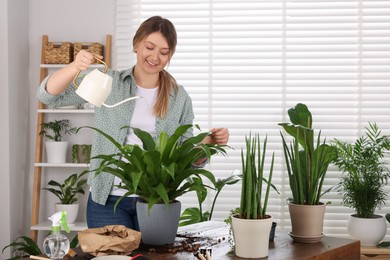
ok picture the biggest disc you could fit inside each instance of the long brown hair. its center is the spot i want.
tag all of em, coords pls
(166, 81)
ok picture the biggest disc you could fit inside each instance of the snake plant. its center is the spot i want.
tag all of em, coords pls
(306, 162)
(251, 204)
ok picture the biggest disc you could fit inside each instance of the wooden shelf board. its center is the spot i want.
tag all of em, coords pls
(58, 66)
(70, 165)
(67, 111)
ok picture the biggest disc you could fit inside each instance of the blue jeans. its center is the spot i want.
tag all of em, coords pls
(102, 215)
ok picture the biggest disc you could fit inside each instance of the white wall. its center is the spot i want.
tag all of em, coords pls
(22, 24)
(4, 131)
(14, 117)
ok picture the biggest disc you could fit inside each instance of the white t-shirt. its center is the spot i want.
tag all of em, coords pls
(142, 118)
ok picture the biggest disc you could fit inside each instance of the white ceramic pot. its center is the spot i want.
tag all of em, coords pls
(56, 151)
(251, 237)
(71, 211)
(370, 231)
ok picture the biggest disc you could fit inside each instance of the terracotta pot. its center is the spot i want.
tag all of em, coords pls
(307, 222)
(251, 237)
(370, 231)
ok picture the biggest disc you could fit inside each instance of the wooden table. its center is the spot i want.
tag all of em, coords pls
(214, 235)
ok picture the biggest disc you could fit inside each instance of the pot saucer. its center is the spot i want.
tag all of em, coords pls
(306, 240)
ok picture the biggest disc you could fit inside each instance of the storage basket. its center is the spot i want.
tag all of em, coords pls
(58, 53)
(92, 47)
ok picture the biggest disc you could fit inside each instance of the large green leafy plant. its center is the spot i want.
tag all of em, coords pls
(365, 174)
(160, 170)
(66, 192)
(251, 204)
(306, 161)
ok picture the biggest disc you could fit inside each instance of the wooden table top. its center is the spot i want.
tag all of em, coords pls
(215, 235)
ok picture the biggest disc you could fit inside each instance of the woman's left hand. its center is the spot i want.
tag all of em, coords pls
(219, 136)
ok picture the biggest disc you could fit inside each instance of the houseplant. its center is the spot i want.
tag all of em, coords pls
(81, 153)
(307, 163)
(159, 173)
(54, 131)
(194, 215)
(363, 182)
(251, 226)
(67, 192)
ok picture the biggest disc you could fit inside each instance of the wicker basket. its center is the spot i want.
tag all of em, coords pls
(92, 47)
(59, 53)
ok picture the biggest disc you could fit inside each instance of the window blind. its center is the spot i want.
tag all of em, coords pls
(245, 63)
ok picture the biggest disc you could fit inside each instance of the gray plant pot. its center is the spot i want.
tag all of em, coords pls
(160, 227)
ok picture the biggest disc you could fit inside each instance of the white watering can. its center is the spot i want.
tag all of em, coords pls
(96, 86)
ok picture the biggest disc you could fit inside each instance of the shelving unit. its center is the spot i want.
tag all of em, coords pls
(39, 164)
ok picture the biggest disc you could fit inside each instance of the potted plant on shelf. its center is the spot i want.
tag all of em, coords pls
(67, 193)
(159, 173)
(363, 183)
(251, 226)
(81, 153)
(307, 164)
(54, 131)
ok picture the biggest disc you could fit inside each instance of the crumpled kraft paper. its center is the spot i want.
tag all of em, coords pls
(109, 240)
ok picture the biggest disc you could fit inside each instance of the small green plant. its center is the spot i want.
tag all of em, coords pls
(67, 191)
(23, 247)
(306, 162)
(81, 153)
(195, 215)
(365, 174)
(55, 130)
(251, 204)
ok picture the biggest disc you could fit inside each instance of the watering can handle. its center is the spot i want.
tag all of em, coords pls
(78, 72)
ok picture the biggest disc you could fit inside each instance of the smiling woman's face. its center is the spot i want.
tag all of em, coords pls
(153, 53)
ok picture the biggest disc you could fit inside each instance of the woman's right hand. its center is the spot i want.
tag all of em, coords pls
(62, 78)
(84, 59)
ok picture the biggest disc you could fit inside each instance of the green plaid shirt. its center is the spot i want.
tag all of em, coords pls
(110, 120)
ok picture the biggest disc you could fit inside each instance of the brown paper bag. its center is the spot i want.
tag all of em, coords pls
(109, 240)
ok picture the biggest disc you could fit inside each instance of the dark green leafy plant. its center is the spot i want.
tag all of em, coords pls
(365, 174)
(251, 204)
(66, 192)
(195, 215)
(23, 247)
(158, 171)
(55, 130)
(385, 243)
(306, 162)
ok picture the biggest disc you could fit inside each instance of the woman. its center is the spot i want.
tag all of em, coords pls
(164, 106)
